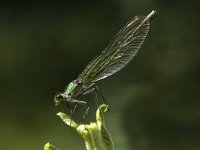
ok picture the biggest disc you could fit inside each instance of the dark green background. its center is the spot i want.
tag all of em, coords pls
(155, 100)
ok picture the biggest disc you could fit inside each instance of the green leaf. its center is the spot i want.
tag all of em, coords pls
(67, 120)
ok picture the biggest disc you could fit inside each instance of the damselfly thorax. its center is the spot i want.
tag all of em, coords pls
(74, 91)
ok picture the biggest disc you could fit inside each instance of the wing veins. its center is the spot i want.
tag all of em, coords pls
(120, 51)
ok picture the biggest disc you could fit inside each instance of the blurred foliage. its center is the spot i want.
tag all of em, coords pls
(46, 44)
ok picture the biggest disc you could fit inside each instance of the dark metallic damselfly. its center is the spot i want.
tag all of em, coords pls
(116, 56)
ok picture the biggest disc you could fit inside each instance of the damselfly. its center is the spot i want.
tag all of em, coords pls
(118, 53)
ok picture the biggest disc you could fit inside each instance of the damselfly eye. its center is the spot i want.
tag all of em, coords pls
(58, 99)
(59, 96)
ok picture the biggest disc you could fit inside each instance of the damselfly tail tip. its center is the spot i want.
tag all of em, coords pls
(152, 15)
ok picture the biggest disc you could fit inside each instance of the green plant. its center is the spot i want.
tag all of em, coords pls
(95, 134)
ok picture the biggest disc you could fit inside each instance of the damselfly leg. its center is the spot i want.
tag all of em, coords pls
(95, 89)
(76, 102)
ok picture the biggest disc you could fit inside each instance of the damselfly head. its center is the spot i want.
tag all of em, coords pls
(58, 99)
